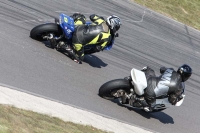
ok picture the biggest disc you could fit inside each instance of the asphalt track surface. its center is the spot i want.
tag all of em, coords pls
(145, 38)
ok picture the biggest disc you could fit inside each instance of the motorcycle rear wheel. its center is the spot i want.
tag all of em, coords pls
(39, 31)
(107, 89)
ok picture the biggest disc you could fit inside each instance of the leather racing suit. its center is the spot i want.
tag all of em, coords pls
(97, 33)
(169, 83)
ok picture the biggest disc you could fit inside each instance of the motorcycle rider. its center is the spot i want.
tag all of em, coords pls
(170, 83)
(101, 33)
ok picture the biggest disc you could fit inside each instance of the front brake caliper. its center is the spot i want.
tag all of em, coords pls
(118, 93)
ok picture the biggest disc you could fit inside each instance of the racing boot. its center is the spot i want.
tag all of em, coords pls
(139, 102)
(79, 55)
(63, 46)
(74, 57)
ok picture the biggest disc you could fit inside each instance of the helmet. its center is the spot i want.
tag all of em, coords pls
(185, 71)
(114, 23)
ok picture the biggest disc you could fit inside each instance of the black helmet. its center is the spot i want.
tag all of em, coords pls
(185, 71)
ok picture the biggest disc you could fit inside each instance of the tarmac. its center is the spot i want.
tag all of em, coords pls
(41, 105)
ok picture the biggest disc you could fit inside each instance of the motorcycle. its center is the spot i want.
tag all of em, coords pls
(60, 32)
(127, 92)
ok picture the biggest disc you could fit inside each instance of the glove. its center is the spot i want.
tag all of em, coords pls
(144, 68)
(162, 70)
(128, 78)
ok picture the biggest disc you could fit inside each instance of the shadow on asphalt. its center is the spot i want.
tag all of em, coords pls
(47, 44)
(94, 61)
(161, 116)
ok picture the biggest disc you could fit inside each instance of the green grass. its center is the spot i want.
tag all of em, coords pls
(14, 120)
(185, 11)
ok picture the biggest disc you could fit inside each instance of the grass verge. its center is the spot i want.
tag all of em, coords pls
(14, 120)
(185, 11)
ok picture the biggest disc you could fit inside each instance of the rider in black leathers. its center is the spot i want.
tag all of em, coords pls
(170, 83)
(100, 33)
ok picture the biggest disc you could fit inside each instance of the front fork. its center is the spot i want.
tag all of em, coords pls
(123, 96)
(53, 40)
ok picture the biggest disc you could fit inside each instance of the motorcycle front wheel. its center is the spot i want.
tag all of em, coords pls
(42, 30)
(109, 89)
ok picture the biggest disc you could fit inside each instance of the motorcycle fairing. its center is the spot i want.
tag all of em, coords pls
(139, 81)
(67, 25)
(164, 103)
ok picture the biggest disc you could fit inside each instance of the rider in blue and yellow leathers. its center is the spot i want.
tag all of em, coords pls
(101, 33)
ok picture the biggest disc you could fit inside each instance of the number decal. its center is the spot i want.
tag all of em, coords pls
(69, 31)
(66, 20)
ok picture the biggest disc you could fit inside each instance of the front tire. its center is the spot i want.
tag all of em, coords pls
(109, 87)
(39, 31)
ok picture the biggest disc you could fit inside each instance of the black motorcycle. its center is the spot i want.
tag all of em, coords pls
(128, 92)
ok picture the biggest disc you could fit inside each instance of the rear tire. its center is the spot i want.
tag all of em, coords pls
(39, 31)
(106, 89)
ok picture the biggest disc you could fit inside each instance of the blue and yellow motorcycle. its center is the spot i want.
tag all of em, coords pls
(60, 32)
